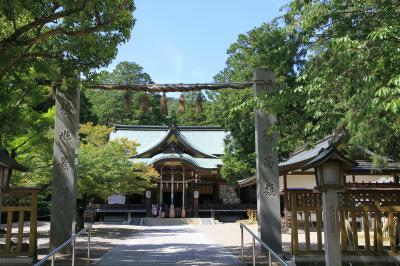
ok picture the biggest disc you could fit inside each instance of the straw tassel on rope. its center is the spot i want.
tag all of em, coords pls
(181, 107)
(164, 104)
(144, 103)
(127, 100)
(199, 103)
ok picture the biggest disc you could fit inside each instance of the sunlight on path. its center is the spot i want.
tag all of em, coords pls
(169, 245)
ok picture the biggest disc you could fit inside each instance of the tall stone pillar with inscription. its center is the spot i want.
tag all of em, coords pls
(65, 155)
(268, 200)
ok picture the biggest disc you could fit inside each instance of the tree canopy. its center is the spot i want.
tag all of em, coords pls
(44, 42)
(336, 64)
(337, 68)
(104, 164)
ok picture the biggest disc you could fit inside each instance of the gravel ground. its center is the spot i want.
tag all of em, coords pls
(106, 236)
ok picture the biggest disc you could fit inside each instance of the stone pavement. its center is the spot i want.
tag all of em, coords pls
(169, 245)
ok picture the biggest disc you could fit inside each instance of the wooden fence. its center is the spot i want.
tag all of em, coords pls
(368, 222)
(19, 203)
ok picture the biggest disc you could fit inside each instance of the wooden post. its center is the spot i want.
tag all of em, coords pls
(196, 203)
(9, 230)
(33, 226)
(378, 228)
(343, 234)
(268, 198)
(307, 229)
(161, 194)
(149, 210)
(295, 242)
(392, 236)
(172, 206)
(354, 230)
(319, 229)
(366, 231)
(285, 201)
(63, 198)
(183, 214)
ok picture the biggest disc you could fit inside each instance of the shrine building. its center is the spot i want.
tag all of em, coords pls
(188, 159)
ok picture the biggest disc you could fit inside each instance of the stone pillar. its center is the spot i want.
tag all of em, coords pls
(330, 217)
(65, 161)
(268, 200)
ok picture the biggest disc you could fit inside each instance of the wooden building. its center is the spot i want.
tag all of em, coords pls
(188, 159)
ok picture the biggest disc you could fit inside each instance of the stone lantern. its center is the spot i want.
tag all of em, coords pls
(7, 163)
(329, 167)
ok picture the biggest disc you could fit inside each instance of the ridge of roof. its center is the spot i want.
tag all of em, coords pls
(174, 130)
(7, 161)
(183, 157)
(164, 128)
(304, 146)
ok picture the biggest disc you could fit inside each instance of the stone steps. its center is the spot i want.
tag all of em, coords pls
(172, 221)
(15, 261)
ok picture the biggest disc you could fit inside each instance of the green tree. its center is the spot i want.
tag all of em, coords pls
(276, 48)
(42, 45)
(44, 42)
(337, 66)
(351, 77)
(109, 107)
(104, 166)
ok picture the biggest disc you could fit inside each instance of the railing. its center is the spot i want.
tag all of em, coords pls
(306, 211)
(252, 215)
(271, 253)
(72, 240)
(368, 222)
(19, 201)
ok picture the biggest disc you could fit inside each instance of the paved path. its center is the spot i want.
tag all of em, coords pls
(169, 245)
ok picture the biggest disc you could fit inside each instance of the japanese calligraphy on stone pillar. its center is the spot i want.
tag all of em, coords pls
(64, 165)
(268, 200)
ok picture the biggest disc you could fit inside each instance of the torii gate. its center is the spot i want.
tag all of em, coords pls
(65, 159)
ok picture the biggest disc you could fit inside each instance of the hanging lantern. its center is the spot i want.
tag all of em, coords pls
(144, 103)
(164, 104)
(181, 107)
(199, 103)
(127, 100)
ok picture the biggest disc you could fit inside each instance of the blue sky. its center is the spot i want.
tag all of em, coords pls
(186, 40)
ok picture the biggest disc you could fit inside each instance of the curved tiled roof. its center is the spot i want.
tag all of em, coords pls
(207, 139)
(184, 141)
(7, 161)
(201, 163)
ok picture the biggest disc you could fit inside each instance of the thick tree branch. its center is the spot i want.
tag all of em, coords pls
(39, 22)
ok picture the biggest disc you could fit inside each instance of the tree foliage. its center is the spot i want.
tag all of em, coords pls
(110, 107)
(104, 168)
(351, 76)
(337, 70)
(44, 42)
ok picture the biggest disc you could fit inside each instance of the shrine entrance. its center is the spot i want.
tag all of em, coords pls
(178, 172)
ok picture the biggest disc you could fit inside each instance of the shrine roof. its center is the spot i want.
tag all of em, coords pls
(201, 163)
(7, 161)
(204, 139)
